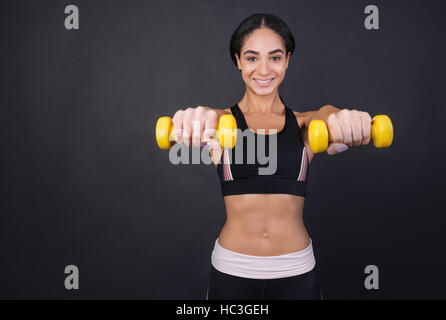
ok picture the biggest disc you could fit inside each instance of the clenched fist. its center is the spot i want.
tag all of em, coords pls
(348, 128)
(197, 127)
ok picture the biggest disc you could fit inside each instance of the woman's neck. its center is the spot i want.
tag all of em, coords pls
(264, 105)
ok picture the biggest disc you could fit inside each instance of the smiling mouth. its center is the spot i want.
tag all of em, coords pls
(263, 82)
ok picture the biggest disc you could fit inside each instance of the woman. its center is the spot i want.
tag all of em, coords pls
(264, 250)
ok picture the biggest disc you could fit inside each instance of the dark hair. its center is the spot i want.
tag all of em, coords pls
(257, 21)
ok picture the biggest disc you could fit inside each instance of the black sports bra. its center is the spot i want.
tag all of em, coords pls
(241, 175)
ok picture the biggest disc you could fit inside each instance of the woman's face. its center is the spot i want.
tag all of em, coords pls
(263, 61)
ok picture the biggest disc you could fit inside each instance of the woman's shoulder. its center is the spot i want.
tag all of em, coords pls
(300, 118)
(221, 112)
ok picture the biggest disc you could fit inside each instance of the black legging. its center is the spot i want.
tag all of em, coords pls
(224, 286)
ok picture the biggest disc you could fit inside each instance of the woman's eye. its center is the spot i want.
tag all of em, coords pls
(253, 58)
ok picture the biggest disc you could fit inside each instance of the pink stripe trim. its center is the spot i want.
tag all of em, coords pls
(227, 174)
(303, 166)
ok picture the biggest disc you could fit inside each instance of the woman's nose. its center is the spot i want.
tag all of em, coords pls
(263, 67)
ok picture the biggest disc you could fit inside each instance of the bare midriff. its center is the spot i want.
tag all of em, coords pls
(264, 224)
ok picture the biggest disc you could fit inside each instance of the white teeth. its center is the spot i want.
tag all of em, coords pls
(264, 81)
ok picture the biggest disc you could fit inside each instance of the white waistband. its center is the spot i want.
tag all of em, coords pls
(260, 267)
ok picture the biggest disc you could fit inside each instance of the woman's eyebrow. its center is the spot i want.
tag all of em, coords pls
(255, 52)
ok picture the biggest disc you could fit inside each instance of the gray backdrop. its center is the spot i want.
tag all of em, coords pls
(83, 182)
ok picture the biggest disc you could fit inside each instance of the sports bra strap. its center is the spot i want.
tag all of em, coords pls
(240, 119)
(291, 119)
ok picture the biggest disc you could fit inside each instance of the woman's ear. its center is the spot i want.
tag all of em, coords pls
(288, 60)
(238, 62)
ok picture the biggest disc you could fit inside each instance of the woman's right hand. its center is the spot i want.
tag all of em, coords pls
(194, 126)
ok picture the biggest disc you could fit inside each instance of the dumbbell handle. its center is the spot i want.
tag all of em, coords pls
(381, 133)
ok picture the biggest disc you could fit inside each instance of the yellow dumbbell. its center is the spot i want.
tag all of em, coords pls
(226, 132)
(381, 133)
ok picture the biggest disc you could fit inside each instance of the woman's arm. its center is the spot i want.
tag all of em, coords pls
(321, 114)
(304, 119)
(221, 112)
(347, 127)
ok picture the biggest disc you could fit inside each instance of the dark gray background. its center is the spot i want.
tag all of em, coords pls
(83, 183)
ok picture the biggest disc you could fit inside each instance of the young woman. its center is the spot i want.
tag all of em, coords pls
(264, 250)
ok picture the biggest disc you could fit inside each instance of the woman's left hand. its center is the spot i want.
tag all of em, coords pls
(348, 128)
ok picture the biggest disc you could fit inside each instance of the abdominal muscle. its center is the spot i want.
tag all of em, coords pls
(264, 224)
